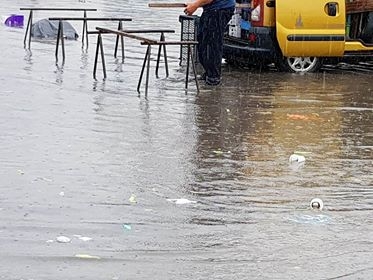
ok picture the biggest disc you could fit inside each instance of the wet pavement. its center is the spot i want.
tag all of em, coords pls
(94, 162)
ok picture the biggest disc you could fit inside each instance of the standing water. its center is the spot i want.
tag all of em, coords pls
(100, 183)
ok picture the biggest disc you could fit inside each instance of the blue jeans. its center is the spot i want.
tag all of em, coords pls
(210, 34)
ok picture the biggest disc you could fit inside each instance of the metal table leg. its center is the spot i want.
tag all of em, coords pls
(85, 30)
(159, 57)
(28, 30)
(187, 67)
(99, 47)
(60, 38)
(194, 68)
(146, 62)
(120, 27)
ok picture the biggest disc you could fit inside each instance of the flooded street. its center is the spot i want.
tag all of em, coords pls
(177, 185)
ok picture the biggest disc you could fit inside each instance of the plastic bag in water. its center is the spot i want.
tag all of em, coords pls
(14, 21)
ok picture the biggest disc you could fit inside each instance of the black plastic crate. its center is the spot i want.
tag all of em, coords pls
(189, 27)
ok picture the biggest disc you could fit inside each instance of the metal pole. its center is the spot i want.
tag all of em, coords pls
(159, 56)
(102, 55)
(85, 29)
(27, 28)
(194, 69)
(96, 56)
(165, 54)
(117, 41)
(147, 72)
(29, 37)
(121, 40)
(142, 69)
(58, 39)
(62, 42)
(187, 69)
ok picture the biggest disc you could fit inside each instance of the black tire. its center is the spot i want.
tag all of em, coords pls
(299, 64)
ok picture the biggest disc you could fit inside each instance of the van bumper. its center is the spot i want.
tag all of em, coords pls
(262, 50)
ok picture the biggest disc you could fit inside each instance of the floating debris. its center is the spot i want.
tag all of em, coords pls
(63, 239)
(181, 201)
(85, 256)
(83, 238)
(310, 219)
(296, 158)
(127, 227)
(309, 117)
(132, 199)
(218, 152)
(317, 204)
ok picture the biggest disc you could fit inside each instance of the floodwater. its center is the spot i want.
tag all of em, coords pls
(96, 163)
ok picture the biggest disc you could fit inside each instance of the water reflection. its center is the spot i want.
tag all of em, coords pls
(59, 73)
(245, 138)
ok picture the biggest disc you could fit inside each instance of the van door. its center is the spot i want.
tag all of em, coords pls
(311, 27)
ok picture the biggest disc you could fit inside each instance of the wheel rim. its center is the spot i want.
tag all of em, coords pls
(301, 64)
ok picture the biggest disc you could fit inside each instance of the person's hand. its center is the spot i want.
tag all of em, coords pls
(190, 8)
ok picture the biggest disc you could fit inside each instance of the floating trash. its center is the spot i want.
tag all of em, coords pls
(132, 199)
(85, 256)
(83, 238)
(181, 201)
(296, 158)
(309, 117)
(218, 152)
(310, 219)
(317, 204)
(14, 21)
(127, 227)
(63, 239)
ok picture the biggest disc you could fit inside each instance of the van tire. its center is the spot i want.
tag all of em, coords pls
(306, 64)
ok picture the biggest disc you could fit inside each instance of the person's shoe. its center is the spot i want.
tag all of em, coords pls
(201, 77)
(212, 81)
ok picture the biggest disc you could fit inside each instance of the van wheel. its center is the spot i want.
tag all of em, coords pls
(306, 64)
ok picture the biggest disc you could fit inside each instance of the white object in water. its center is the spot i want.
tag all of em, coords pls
(317, 204)
(296, 158)
(63, 239)
(181, 201)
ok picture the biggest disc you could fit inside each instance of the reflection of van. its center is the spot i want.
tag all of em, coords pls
(299, 35)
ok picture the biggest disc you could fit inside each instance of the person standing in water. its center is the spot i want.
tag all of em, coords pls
(213, 22)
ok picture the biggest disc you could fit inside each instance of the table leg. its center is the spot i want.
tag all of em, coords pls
(102, 55)
(159, 56)
(143, 68)
(165, 55)
(194, 69)
(187, 68)
(96, 56)
(28, 29)
(147, 72)
(120, 27)
(62, 42)
(85, 30)
(58, 39)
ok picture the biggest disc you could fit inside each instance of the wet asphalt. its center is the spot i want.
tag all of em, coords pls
(99, 182)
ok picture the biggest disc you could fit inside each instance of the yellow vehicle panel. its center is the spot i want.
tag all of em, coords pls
(356, 46)
(311, 28)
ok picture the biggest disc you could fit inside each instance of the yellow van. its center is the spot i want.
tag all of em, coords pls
(299, 35)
